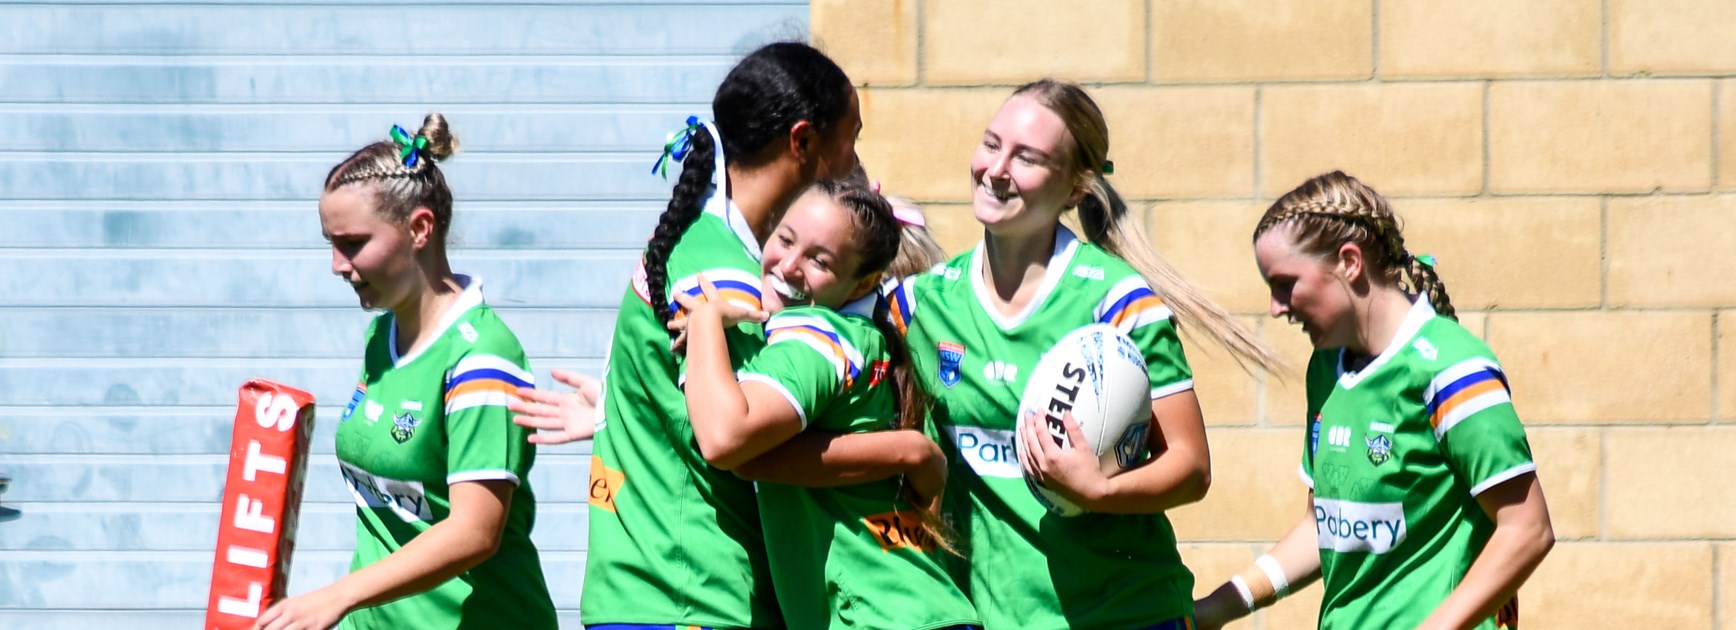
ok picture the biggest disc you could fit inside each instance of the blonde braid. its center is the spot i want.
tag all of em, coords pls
(1332, 209)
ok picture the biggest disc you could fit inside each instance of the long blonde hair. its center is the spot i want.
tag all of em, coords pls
(1108, 224)
(1332, 209)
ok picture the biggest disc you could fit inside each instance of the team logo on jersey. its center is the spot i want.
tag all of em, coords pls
(951, 356)
(1088, 273)
(1379, 449)
(468, 332)
(404, 426)
(355, 399)
(373, 410)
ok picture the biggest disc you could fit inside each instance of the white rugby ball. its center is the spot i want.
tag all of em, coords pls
(1099, 375)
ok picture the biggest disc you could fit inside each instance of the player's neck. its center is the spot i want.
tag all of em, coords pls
(1014, 266)
(761, 194)
(1379, 320)
(416, 319)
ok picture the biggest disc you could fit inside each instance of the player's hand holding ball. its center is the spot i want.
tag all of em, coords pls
(1072, 470)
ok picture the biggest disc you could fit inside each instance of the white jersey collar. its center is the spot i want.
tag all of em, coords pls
(1066, 244)
(863, 306)
(1420, 313)
(469, 297)
(721, 205)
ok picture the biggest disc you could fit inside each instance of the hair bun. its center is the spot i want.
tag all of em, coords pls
(441, 143)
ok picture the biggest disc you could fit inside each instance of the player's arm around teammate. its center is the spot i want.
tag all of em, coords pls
(1426, 511)
(426, 444)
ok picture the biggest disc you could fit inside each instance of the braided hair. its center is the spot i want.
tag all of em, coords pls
(771, 90)
(401, 188)
(1332, 209)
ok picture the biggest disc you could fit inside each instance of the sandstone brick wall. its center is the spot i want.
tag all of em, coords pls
(1571, 162)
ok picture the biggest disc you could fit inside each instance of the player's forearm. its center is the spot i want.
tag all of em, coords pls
(1294, 563)
(818, 459)
(1174, 478)
(445, 551)
(715, 402)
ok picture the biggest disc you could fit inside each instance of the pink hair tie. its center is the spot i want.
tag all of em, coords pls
(909, 216)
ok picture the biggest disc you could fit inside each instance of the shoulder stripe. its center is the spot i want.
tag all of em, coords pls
(1462, 390)
(734, 286)
(820, 336)
(1131, 304)
(1457, 372)
(489, 366)
(484, 381)
(900, 302)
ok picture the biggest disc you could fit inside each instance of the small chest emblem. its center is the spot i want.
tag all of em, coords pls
(951, 356)
(1379, 449)
(373, 410)
(355, 399)
(403, 427)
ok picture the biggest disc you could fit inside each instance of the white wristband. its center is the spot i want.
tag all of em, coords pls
(1242, 589)
(1274, 572)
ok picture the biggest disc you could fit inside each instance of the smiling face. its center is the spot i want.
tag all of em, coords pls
(1307, 289)
(375, 255)
(812, 257)
(1021, 170)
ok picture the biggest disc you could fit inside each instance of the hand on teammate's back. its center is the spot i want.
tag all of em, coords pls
(559, 417)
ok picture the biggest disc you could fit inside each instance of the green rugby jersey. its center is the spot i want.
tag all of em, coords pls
(855, 556)
(1029, 568)
(421, 422)
(674, 540)
(1396, 454)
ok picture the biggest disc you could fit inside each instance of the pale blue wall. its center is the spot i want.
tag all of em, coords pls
(159, 246)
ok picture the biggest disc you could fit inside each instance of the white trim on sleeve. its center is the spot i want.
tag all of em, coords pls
(1171, 389)
(482, 475)
(1504, 476)
(780, 389)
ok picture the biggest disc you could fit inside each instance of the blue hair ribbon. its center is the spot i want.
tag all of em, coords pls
(675, 147)
(408, 148)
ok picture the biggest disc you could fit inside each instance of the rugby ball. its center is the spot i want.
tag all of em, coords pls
(1099, 375)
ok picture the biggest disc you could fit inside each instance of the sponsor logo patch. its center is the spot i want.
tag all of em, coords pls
(1350, 526)
(898, 530)
(404, 498)
(988, 451)
(605, 482)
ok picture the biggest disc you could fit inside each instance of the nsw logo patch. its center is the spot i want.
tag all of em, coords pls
(951, 357)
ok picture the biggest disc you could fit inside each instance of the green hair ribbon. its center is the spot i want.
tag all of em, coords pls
(675, 147)
(408, 148)
(1428, 260)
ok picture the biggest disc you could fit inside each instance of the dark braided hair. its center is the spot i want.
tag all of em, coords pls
(771, 90)
(1333, 209)
(402, 189)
